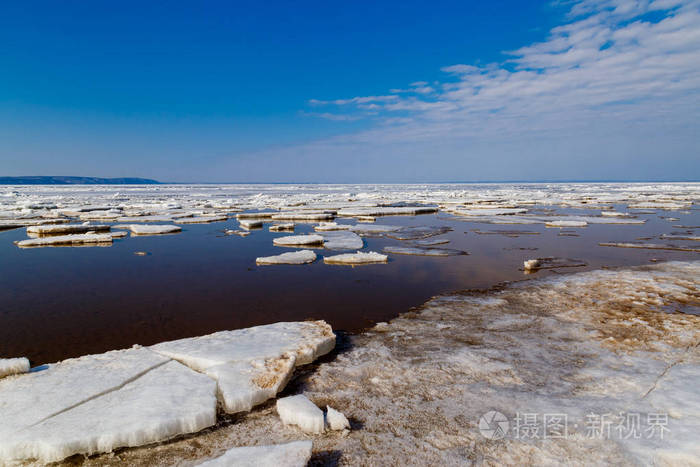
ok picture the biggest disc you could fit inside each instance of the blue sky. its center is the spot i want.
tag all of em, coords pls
(351, 91)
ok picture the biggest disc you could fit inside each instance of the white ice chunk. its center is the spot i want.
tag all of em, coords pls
(560, 223)
(73, 239)
(298, 240)
(330, 226)
(294, 257)
(342, 240)
(251, 365)
(139, 229)
(65, 228)
(300, 411)
(356, 258)
(201, 219)
(250, 223)
(303, 216)
(386, 211)
(336, 420)
(13, 366)
(282, 227)
(294, 454)
(531, 264)
(97, 403)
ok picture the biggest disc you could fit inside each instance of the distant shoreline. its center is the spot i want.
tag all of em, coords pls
(68, 180)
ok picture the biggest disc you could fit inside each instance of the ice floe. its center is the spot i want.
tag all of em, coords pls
(649, 246)
(342, 240)
(356, 258)
(423, 251)
(386, 211)
(54, 229)
(298, 240)
(282, 227)
(293, 257)
(148, 229)
(201, 219)
(13, 366)
(330, 226)
(250, 223)
(300, 411)
(418, 232)
(566, 224)
(294, 454)
(66, 240)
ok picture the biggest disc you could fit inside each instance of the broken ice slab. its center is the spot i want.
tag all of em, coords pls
(562, 223)
(356, 258)
(255, 215)
(507, 233)
(201, 219)
(240, 233)
(294, 257)
(415, 233)
(335, 420)
(330, 226)
(128, 219)
(282, 227)
(303, 216)
(66, 240)
(649, 246)
(386, 211)
(298, 240)
(680, 237)
(479, 212)
(141, 229)
(252, 365)
(7, 224)
(423, 251)
(54, 229)
(431, 241)
(294, 454)
(100, 402)
(13, 366)
(342, 240)
(300, 411)
(373, 230)
(250, 223)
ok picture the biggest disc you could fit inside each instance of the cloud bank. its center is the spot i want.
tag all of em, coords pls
(613, 93)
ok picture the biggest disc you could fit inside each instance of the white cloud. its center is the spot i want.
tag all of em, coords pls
(615, 80)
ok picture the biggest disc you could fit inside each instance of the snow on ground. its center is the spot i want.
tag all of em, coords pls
(360, 257)
(13, 366)
(604, 355)
(132, 397)
(294, 454)
(293, 257)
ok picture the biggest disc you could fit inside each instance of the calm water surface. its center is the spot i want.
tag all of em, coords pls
(65, 302)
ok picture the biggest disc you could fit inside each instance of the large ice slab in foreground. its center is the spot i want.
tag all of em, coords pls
(100, 402)
(294, 454)
(292, 257)
(252, 365)
(342, 240)
(145, 229)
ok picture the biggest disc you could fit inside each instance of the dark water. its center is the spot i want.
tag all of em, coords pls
(64, 302)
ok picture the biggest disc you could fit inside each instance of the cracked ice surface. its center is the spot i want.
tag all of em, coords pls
(593, 342)
(138, 396)
(260, 363)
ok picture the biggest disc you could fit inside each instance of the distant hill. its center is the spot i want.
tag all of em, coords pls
(59, 180)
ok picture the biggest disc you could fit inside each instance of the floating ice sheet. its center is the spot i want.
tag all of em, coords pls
(298, 240)
(66, 229)
(416, 233)
(293, 257)
(356, 258)
(146, 229)
(342, 240)
(423, 251)
(649, 246)
(66, 240)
